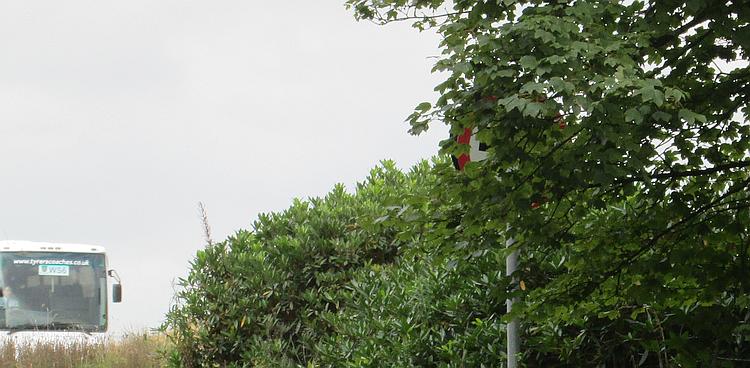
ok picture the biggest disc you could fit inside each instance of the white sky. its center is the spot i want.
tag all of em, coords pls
(118, 117)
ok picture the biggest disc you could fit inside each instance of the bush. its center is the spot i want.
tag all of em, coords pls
(262, 297)
(423, 312)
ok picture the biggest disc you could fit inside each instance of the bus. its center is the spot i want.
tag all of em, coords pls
(55, 287)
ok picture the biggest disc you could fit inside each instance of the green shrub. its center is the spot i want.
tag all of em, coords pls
(260, 297)
(422, 312)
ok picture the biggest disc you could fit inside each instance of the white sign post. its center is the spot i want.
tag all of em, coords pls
(513, 337)
(513, 333)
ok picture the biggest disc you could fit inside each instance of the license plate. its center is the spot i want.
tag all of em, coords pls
(54, 270)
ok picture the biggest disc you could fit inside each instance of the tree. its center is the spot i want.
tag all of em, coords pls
(619, 153)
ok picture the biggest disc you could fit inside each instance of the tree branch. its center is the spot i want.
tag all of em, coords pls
(633, 256)
(381, 20)
(715, 169)
(680, 174)
(546, 156)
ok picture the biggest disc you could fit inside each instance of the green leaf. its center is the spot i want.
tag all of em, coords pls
(634, 115)
(424, 107)
(532, 109)
(691, 117)
(661, 116)
(463, 67)
(528, 62)
(532, 87)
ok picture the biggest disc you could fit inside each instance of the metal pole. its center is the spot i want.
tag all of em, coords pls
(513, 336)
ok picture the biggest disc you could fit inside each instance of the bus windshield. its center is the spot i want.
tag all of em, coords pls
(53, 291)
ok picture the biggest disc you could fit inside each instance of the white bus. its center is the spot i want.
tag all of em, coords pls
(54, 287)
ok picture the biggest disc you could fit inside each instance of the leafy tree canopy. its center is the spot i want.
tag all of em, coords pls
(619, 143)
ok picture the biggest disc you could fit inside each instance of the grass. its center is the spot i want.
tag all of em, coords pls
(142, 350)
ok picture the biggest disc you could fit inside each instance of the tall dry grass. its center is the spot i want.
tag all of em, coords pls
(131, 351)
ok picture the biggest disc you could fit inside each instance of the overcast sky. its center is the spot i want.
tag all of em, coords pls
(118, 117)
